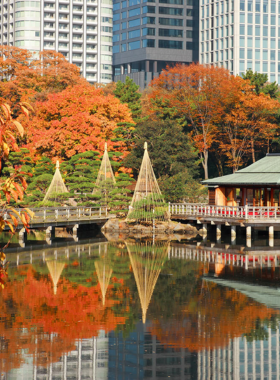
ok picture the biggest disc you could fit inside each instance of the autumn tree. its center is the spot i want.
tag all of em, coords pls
(26, 76)
(196, 94)
(76, 120)
(248, 120)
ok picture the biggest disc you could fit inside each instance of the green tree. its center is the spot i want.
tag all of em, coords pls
(261, 85)
(173, 158)
(80, 173)
(42, 174)
(128, 92)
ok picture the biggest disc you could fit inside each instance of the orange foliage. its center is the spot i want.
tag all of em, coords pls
(197, 93)
(218, 107)
(75, 312)
(76, 120)
(24, 75)
(248, 121)
(211, 320)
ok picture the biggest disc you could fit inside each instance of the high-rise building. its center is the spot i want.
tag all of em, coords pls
(148, 36)
(79, 29)
(241, 35)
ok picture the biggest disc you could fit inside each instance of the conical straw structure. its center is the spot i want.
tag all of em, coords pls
(57, 185)
(147, 260)
(104, 273)
(55, 269)
(147, 203)
(105, 171)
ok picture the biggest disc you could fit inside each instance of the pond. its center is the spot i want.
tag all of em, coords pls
(140, 310)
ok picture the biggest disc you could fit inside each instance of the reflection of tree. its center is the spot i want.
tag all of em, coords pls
(33, 318)
(147, 260)
(212, 317)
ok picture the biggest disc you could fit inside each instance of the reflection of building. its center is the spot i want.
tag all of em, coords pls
(142, 356)
(89, 361)
(242, 359)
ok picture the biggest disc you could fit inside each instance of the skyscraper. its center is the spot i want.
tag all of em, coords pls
(241, 35)
(79, 29)
(148, 36)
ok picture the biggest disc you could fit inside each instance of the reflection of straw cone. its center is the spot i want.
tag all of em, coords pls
(104, 273)
(55, 269)
(147, 261)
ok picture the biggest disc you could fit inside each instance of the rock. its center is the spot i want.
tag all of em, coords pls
(160, 228)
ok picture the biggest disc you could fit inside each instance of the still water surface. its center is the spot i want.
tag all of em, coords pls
(140, 310)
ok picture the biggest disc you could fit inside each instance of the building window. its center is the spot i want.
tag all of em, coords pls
(135, 22)
(149, 9)
(134, 33)
(176, 2)
(148, 43)
(134, 2)
(134, 12)
(170, 21)
(116, 48)
(171, 11)
(169, 44)
(171, 33)
(148, 32)
(134, 45)
(148, 20)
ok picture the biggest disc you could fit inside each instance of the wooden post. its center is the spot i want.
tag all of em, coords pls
(243, 196)
(254, 197)
(265, 197)
(272, 197)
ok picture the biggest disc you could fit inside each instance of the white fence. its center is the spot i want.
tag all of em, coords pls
(231, 212)
(60, 214)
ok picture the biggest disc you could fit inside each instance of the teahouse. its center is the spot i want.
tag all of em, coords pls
(256, 185)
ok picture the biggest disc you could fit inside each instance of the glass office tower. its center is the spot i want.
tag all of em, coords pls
(148, 36)
(241, 35)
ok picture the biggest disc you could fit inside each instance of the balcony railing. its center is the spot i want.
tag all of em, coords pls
(231, 212)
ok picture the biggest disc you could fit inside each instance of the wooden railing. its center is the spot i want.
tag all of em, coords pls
(59, 214)
(234, 212)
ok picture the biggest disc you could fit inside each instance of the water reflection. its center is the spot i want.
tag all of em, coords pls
(140, 310)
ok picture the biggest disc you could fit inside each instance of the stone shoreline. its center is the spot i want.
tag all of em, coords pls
(116, 226)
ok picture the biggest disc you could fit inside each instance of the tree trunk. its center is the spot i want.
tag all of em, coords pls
(253, 150)
(205, 163)
(267, 145)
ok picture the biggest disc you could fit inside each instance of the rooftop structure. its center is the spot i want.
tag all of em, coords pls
(256, 185)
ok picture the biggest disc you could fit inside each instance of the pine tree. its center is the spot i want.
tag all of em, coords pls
(128, 92)
(80, 172)
(42, 175)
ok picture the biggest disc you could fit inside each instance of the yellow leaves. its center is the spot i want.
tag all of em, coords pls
(2, 224)
(2, 256)
(19, 127)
